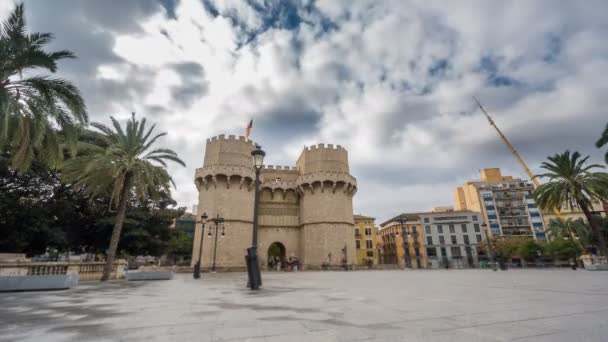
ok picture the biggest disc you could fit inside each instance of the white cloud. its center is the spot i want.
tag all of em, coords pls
(359, 74)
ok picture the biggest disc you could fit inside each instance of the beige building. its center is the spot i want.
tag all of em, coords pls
(392, 248)
(305, 211)
(505, 202)
(365, 240)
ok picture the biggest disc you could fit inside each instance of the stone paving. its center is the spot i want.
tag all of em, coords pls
(441, 305)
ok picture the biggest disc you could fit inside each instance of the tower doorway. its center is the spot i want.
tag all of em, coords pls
(276, 254)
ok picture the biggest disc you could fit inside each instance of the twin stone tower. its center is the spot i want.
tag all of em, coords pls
(305, 211)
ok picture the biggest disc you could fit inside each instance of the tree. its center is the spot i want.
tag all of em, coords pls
(577, 229)
(180, 244)
(121, 162)
(506, 247)
(573, 182)
(529, 249)
(562, 249)
(36, 112)
(603, 140)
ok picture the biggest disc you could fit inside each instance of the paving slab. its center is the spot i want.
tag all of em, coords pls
(395, 305)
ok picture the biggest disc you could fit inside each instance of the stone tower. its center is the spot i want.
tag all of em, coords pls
(326, 208)
(225, 185)
(306, 210)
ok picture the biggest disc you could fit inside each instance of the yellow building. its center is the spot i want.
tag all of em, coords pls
(505, 202)
(391, 251)
(365, 240)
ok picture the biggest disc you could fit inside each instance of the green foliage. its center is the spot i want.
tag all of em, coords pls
(603, 140)
(570, 181)
(180, 244)
(506, 247)
(109, 158)
(579, 229)
(574, 183)
(529, 249)
(563, 249)
(38, 211)
(35, 109)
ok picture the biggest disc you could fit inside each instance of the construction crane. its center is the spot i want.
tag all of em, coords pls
(509, 145)
(513, 150)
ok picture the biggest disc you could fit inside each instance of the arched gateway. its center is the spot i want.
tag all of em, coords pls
(276, 252)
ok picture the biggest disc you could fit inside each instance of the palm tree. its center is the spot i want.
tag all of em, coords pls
(603, 140)
(579, 230)
(121, 162)
(571, 182)
(34, 109)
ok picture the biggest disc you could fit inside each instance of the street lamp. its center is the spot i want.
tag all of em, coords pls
(484, 227)
(404, 236)
(217, 221)
(253, 269)
(197, 266)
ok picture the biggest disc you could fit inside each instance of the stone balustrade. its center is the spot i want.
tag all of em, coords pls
(85, 270)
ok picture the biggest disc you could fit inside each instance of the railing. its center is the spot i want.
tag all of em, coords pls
(86, 270)
(47, 269)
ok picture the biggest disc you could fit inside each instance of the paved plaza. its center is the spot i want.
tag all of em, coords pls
(446, 305)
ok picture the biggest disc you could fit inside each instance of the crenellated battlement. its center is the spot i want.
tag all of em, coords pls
(231, 137)
(321, 157)
(323, 146)
(279, 168)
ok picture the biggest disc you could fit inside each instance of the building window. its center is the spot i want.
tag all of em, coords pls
(369, 244)
(478, 237)
(492, 217)
(441, 240)
(358, 244)
(429, 240)
(454, 241)
(474, 217)
(368, 231)
(490, 207)
(537, 224)
(452, 230)
(476, 226)
(414, 230)
(426, 220)
(443, 252)
(431, 252)
(357, 234)
(370, 254)
(464, 227)
(427, 229)
(531, 205)
(535, 214)
(456, 253)
(439, 229)
(466, 240)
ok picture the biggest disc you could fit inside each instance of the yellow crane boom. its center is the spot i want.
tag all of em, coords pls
(509, 145)
(513, 150)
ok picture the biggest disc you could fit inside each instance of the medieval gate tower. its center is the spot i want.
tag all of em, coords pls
(306, 210)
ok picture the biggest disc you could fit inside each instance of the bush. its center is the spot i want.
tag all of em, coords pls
(562, 249)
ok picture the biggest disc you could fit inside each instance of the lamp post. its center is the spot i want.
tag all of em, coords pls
(217, 220)
(490, 249)
(404, 236)
(253, 269)
(197, 266)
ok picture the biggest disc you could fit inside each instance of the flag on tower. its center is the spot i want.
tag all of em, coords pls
(248, 129)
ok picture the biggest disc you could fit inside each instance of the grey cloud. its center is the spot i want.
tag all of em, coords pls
(193, 85)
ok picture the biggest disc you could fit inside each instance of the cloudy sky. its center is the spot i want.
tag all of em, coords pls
(392, 81)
